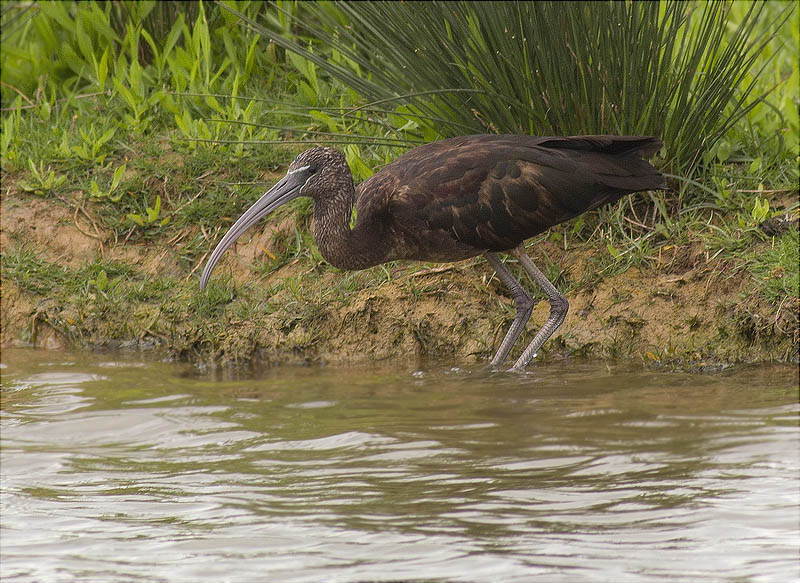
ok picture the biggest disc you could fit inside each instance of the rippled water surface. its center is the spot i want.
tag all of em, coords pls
(118, 469)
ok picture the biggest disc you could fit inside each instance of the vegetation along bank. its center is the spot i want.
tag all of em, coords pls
(134, 134)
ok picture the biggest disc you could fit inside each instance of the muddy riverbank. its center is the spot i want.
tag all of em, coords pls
(69, 284)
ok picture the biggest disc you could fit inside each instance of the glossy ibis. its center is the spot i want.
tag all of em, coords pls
(457, 198)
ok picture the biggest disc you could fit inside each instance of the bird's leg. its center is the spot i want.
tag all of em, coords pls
(558, 308)
(522, 301)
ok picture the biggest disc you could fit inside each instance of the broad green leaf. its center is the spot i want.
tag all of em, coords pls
(174, 34)
(101, 281)
(127, 95)
(83, 39)
(118, 173)
(136, 219)
(102, 70)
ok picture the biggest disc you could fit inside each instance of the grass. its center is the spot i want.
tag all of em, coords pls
(553, 68)
(160, 134)
(31, 272)
(775, 267)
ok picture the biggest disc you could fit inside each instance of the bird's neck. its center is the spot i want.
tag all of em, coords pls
(343, 247)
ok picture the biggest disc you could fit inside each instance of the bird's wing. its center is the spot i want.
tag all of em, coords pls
(493, 192)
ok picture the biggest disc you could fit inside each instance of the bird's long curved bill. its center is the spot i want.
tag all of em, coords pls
(287, 189)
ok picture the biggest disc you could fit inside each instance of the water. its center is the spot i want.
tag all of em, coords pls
(116, 469)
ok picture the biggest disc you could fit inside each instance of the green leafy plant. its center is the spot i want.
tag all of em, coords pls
(150, 217)
(103, 284)
(760, 210)
(46, 182)
(9, 135)
(96, 193)
(92, 146)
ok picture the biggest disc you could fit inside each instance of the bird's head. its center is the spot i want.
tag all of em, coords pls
(313, 173)
(320, 169)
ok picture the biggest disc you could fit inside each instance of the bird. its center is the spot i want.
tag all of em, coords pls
(458, 198)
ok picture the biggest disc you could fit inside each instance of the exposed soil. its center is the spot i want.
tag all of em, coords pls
(687, 309)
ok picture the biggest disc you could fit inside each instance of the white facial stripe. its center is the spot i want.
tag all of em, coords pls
(302, 168)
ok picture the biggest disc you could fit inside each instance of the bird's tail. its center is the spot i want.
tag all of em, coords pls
(644, 147)
(618, 162)
(614, 166)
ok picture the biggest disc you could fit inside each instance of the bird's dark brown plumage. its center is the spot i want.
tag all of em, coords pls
(457, 198)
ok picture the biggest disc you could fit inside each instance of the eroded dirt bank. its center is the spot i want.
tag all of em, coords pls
(688, 308)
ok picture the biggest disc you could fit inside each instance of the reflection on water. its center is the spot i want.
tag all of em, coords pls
(114, 469)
